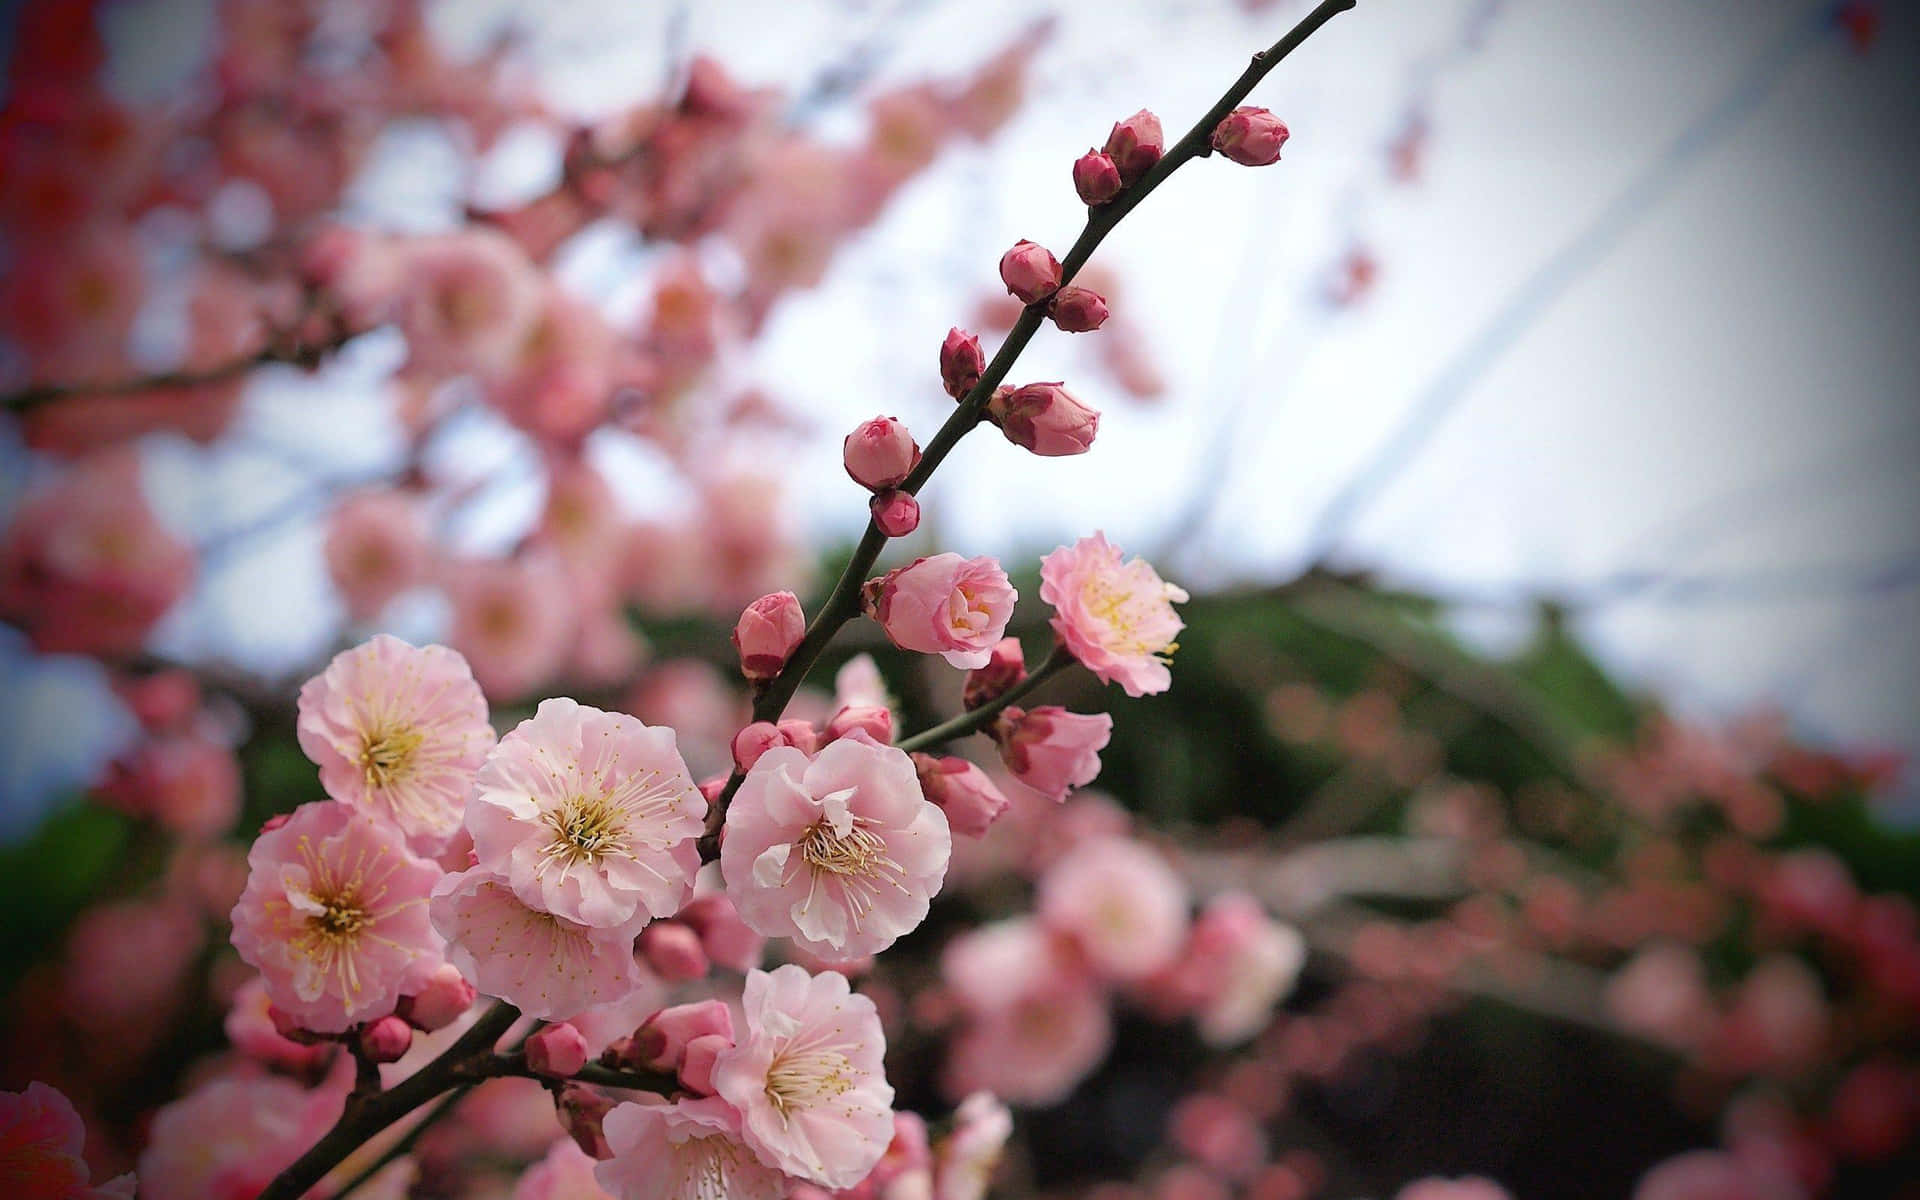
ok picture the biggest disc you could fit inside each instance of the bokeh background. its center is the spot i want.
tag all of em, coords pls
(1550, 409)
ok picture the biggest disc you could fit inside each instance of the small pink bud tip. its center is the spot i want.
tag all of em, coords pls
(696, 1066)
(767, 632)
(801, 735)
(674, 951)
(441, 1002)
(558, 1050)
(1044, 418)
(880, 454)
(963, 792)
(661, 1041)
(385, 1040)
(1078, 309)
(1007, 667)
(1135, 145)
(753, 741)
(1030, 272)
(1251, 137)
(895, 513)
(961, 362)
(710, 789)
(1096, 177)
(870, 719)
(583, 1112)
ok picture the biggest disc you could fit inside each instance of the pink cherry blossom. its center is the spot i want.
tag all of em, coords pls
(513, 619)
(376, 548)
(335, 917)
(840, 852)
(398, 732)
(686, 1150)
(547, 966)
(1252, 963)
(807, 1076)
(230, 1137)
(590, 815)
(971, 1153)
(41, 1144)
(963, 791)
(955, 607)
(565, 1173)
(1116, 617)
(467, 300)
(1036, 1022)
(1050, 749)
(1120, 903)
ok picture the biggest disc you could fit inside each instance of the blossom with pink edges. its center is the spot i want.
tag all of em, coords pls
(1050, 749)
(547, 966)
(1115, 617)
(466, 301)
(962, 790)
(767, 632)
(955, 607)
(335, 917)
(971, 1153)
(512, 619)
(686, 1150)
(590, 815)
(1036, 1022)
(376, 548)
(1120, 903)
(41, 1145)
(1238, 964)
(397, 732)
(840, 852)
(807, 1077)
(231, 1137)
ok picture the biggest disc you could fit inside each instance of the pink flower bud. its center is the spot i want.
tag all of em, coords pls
(1044, 418)
(440, 1003)
(1030, 272)
(880, 453)
(583, 1112)
(1050, 749)
(801, 735)
(674, 951)
(1078, 309)
(727, 939)
(1096, 177)
(767, 632)
(1135, 145)
(1251, 137)
(1007, 667)
(661, 1041)
(385, 1040)
(558, 1050)
(962, 791)
(961, 362)
(871, 719)
(696, 1065)
(753, 741)
(895, 513)
(710, 789)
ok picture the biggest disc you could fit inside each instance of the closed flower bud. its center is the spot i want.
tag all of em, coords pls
(1050, 749)
(673, 950)
(696, 1065)
(1078, 309)
(661, 1041)
(385, 1040)
(558, 1050)
(1251, 137)
(880, 453)
(895, 513)
(767, 632)
(801, 735)
(726, 938)
(446, 997)
(1007, 667)
(962, 791)
(583, 1112)
(1096, 178)
(961, 362)
(753, 741)
(1030, 272)
(1044, 418)
(1135, 145)
(870, 719)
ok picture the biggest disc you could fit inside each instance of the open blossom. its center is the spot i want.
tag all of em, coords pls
(807, 1076)
(1036, 1021)
(590, 815)
(1050, 749)
(955, 607)
(1115, 617)
(376, 548)
(397, 732)
(467, 300)
(41, 1140)
(841, 852)
(513, 619)
(230, 1137)
(1120, 903)
(335, 917)
(1711, 1175)
(687, 1150)
(1238, 964)
(547, 966)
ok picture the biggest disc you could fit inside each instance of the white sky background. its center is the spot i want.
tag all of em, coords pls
(1727, 388)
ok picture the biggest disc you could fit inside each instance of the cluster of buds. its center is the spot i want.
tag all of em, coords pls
(1033, 276)
(879, 455)
(872, 720)
(1132, 149)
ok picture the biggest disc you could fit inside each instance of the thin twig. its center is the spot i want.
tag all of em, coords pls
(974, 720)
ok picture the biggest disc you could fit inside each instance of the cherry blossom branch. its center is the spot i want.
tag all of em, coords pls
(843, 604)
(974, 721)
(401, 1148)
(291, 353)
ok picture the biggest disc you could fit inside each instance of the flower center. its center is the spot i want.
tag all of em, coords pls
(1124, 611)
(387, 752)
(800, 1080)
(339, 918)
(585, 830)
(857, 852)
